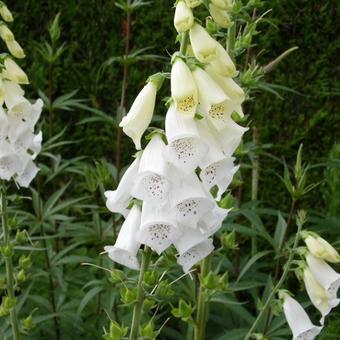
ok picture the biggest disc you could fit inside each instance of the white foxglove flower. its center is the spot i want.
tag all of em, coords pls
(325, 275)
(35, 147)
(15, 49)
(13, 95)
(29, 172)
(189, 200)
(216, 168)
(140, 115)
(222, 63)
(183, 88)
(319, 296)
(158, 229)
(152, 185)
(223, 4)
(193, 3)
(212, 221)
(10, 162)
(185, 147)
(184, 18)
(322, 249)
(126, 247)
(220, 16)
(118, 200)
(298, 320)
(195, 254)
(203, 45)
(14, 72)
(189, 238)
(5, 33)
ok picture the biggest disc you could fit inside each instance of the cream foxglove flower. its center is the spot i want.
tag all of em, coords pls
(223, 4)
(152, 184)
(5, 33)
(183, 88)
(212, 221)
(223, 64)
(298, 320)
(203, 45)
(325, 275)
(118, 200)
(158, 229)
(140, 115)
(220, 16)
(195, 254)
(322, 249)
(15, 49)
(319, 296)
(14, 95)
(216, 168)
(193, 3)
(189, 200)
(185, 147)
(5, 13)
(14, 72)
(184, 18)
(126, 247)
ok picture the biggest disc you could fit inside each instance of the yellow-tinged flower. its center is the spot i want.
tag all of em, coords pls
(15, 49)
(220, 16)
(5, 12)
(193, 3)
(14, 72)
(321, 249)
(184, 18)
(223, 4)
(223, 64)
(5, 33)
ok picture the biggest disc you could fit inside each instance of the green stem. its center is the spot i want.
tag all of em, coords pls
(184, 43)
(278, 285)
(9, 265)
(202, 302)
(231, 39)
(138, 308)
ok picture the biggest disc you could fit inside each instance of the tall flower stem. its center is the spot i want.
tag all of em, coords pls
(277, 286)
(9, 264)
(231, 37)
(138, 308)
(202, 302)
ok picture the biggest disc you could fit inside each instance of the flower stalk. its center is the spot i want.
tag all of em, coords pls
(9, 264)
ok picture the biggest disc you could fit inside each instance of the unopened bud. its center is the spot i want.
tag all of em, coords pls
(15, 49)
(5, 33)
(5, 12)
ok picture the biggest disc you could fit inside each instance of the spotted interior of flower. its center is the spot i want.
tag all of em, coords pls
(217, 112)
(191, 210)
(333, 288)
(213, 173)
(154, 188)
(310, 334)
(186, 104)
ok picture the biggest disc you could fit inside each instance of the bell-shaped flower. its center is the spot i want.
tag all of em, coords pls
(223, 4)
(158, 229)
(195, 254)
(203, 45)
(118, 200)
(15, 49)
(216, 168)
(212, 221)
(126, 247)
(25, 177)
(5, 33)
(13, 95)
(193, 3)
(325, 275)
(189, 200)
(184, 18)
(10, 162)
(220, 16)
(298, 320)
(319, 296)
(3, 125)
(13, 72)
(321, 248)
(185, 147)
(183, 88)
(140, 115)
(151, 184)
(222, 63)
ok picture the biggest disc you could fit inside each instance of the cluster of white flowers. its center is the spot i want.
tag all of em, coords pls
(175, 173)
(19, 145)
(321, 282)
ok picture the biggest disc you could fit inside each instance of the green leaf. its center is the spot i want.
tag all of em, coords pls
(280, 232)
(87, 298)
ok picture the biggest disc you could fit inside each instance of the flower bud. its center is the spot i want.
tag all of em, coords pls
(128, 296)
(27, 323)
(184, 18)
(117, 276)
(223, 4)
(193, 3)
(5, 12)
(15, 49)
(321, 249)
(21, 277)
(183, 311)
(220, 16)
(5, 33)
(14, 72)
(25, 262)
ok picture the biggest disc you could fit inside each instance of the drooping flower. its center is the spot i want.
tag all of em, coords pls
(158, 229)
(29, 172)
(183, 88)
(140, 115)
(298, 320)
(222, 63)
(193, 3)
(126, 247)
(118, 200)
(320, 248)
(15, 49)
(185, 147)
(203, 45)
(183, 19)
(5, 33)
(151, 184)
(328, 278)
(5, 13)
(14, 72)
(223, 4)
(220, 16)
